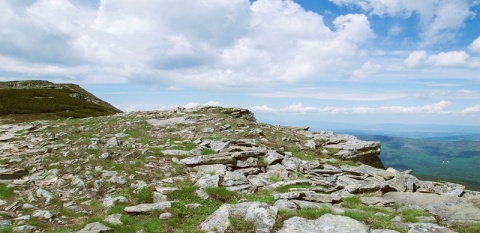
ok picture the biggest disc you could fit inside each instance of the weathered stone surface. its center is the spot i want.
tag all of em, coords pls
(447, 207)
(284, 204)
(42, 214)
(427, 228)
(218, 221)
(146, 208)
(273, 157)
(110, 201)
(94, 227)
(234, 179)
(113, 219)
(327, 223)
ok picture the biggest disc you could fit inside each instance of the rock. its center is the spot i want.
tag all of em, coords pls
(170, 121)
(311, 205)
(218, 146)
(218, 169)
(193, 205)
(165, 216)
(260, 214)
(427, 228)
(166, 190)
(175, 152)
(377, 201)
(311, 144)
(383, 231)
(234, 179)
(208, 181)
(112, 142)
(42, 214)
(273, 157)
(5, 223)
(113, 219)
(94, 227)
(45, 194)
(26, 228)
(327, 223)
(218, 221)
(147, 208)
(284, 204)
(249, 162)
(110, 201)
(449, 208)
(321, 198)
(158, 197)
(104, 156)
(258, 180)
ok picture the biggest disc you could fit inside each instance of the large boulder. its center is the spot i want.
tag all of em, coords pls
(327, 223)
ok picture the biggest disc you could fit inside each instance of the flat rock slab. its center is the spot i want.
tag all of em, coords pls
(447, 207)
(94, 227)
(147, 208)
(168, 122)
(327, 223)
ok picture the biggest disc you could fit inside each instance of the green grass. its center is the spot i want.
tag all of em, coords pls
(411, 215)
(466, 228)
(8, 229)
(144, 195)
(308, 213)
(6, 192)
(208, 151)
(221, 194)
(274, 179)
(56, 102)
(240, 225)
(286, 188)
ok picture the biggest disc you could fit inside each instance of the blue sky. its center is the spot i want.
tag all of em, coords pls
(353, 61)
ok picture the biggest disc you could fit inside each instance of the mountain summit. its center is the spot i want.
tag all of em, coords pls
(31, 100)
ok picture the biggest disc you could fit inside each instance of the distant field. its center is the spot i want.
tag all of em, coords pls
(439, 160)
(25, 104)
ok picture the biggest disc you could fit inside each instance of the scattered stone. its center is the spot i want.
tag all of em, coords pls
(327, 223)
(26, 228)
(147, 208)
(94, 227)
(427, 228)
(165, 216)
(114, 219)
(42, 214)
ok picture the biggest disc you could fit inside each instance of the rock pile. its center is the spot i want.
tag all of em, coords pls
(111, 172)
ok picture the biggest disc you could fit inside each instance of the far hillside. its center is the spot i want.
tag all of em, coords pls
(439, 160)
(22, 101)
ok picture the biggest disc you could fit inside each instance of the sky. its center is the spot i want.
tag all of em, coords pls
(344, 61)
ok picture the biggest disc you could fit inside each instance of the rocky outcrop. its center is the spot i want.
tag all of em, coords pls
(178, 164)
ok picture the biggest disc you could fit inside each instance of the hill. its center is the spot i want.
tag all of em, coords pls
(22, 101)
(211, 169)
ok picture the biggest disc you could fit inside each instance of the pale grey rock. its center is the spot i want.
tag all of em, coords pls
(27, 206)
(26, 228)
(321, 198)
(427, 228)
(112, 142)
(110, 201)
(193, 205)
(113, 219)
(208, 130)
(284, 204)
(218, 145)
(192, 161)
(165, 216)
(94, 227)
(240, 188)
(234, 179)
(208, 181)
(146, 208)
(273, 157)
(447, 207)
(175, 152)
(218, 169)
(104, 156)
(383, 231)
(291, 163)
(377, 201)
(158, 197)
(5, 223)
(311, 144)
(262, 216)
(249, 162)
(311, 205)
(166, 190)
(249, 171)
(42, 214)
(2, 202)
(45, 194)
(258, 180)
(327, 223)
(289, 195)
(170, 121)
(218, 221)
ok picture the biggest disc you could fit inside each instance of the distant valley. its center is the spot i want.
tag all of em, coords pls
(438, 153)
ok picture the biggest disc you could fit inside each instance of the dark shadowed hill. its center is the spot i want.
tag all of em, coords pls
(31, 100)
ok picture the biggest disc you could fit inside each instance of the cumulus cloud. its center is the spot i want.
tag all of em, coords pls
(475, 45)
(209, 44)
(473, 109)
(367, 69)
(436, 108)
(449, 59)
(440, 20)
(416, 59)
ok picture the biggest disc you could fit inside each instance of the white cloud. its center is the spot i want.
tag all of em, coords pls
(368, 69)
(475, 45)
(473, 109)
(440, 20)
(436, 108)
(209, 44)
(416, 59)
(449, 59)
(194, 105)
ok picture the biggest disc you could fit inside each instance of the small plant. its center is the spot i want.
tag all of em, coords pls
(221, 194)
(6, 192)
(240, 225)
(411, 215)
(274, 179)
(144, 195)
(208, 151)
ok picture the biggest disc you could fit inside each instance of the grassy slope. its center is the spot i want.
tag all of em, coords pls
(19, 105)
